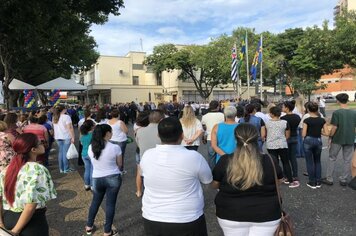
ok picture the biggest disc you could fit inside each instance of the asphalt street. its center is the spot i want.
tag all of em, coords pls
(330, 210)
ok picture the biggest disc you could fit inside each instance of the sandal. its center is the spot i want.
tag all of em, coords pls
(114, 232)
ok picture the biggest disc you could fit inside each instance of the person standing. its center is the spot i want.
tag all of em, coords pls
(293, 121)
(64, 136)
(86, 131)
(192, 129)
(343, 123)
(222, 135)
(208, 121)
(276, 143)
(106, 160)
(119, 134)
(247, 201)
(147, 138)
(25, 187)
(313, 127)
(258, 122)
(173, 203)
(321, 103)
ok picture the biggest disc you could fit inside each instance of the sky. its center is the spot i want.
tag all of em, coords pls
(156, 22)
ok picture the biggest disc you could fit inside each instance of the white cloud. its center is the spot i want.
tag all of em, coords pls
(170, 31)
(195, 21)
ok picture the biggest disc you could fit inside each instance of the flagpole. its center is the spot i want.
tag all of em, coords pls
(261, 80)
(247, 69)
(238, 74)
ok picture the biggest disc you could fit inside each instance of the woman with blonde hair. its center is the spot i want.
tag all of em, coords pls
(247, 203)
(192, 129)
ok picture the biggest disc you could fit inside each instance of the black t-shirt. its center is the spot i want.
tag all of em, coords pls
(293, 122)
(315, 125)
(256, 204)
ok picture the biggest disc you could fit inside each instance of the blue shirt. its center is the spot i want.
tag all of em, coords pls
(85, 140)
(225, 138)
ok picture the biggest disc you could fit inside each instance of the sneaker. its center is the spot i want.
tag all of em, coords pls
(343, 183)
(67, 171)
(311, 185)
(285, 181)
(87, 187)
(326, 181)
(318, 184)
(294, 184)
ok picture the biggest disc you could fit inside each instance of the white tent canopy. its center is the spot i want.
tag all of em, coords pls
(62, 84)
(20, 85)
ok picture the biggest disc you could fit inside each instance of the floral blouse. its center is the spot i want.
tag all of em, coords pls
(6, 151)
(34, 185)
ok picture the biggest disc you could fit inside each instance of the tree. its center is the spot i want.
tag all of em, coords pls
(208, 66)
(344, 38)
(41, 39)
(315, 56)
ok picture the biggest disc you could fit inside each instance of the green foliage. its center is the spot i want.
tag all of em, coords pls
(41, 40)
(207, 66)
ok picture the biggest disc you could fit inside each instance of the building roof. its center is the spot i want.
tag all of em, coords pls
(62, 84)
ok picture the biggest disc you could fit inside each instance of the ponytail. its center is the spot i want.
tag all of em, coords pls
(17, 162)
(248, 111)
(98, 142)
(22, 146)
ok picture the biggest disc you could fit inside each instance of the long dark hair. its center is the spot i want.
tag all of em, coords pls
(22, 146)
(98, 142)
(86, 127)
(248, 111)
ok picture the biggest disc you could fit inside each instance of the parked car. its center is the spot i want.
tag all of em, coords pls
(330, 99)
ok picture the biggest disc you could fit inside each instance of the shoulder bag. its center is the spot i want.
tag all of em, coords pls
(285, 227)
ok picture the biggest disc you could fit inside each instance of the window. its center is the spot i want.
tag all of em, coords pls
(159, 80)
(135, 80)
(91, 78)
(137, 66)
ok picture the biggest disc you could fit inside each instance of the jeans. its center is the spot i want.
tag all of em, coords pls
(347, 151)
(292, 149)
(122, 146)
(212, 155)
(283, 154)
(63, 146)
(109, 186)
(300, 149)
(312, 149)
(88, 171)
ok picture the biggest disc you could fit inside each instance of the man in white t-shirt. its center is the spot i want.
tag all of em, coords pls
(321, 103)
(173, 202)
(208, 121)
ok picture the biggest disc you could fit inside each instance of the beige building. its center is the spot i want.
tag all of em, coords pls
(344, 5)
(115, 79)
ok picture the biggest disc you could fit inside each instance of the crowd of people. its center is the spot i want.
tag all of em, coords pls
(240, 140)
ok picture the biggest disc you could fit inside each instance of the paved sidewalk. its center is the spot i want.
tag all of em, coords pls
(326, 211)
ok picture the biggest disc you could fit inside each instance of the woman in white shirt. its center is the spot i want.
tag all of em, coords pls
(192, 129)
(119, 133)
(64, 136)
(106, 160)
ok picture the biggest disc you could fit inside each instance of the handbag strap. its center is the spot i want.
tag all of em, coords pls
(277, 183)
